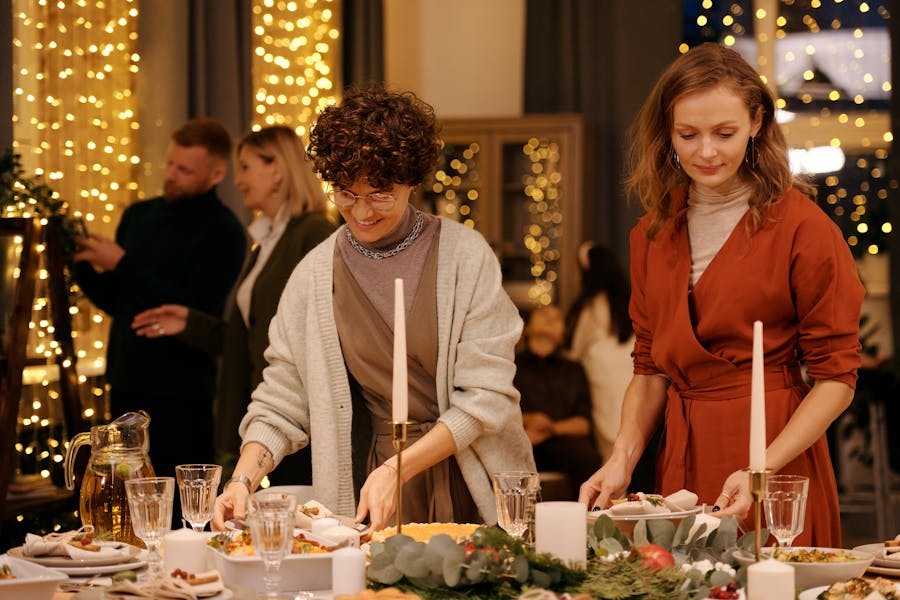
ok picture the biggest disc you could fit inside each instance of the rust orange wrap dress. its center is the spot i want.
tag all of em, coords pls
(797, 276)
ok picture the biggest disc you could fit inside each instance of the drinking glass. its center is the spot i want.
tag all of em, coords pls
(197, 485)
(785, 505)
(150, 503)
(514, 493)
(271, 518)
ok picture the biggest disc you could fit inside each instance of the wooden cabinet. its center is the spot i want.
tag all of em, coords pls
(519, 181)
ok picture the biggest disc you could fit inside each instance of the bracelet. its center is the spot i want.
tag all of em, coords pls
(240, 479)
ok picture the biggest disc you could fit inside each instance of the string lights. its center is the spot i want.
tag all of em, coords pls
(295, 61)
(453, 191)
(542, 187)
(74, 68)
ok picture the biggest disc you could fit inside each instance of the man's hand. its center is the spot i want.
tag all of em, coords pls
(99, 251)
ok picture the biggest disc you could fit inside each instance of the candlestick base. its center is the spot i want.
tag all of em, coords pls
(758, 492)
(398, 440)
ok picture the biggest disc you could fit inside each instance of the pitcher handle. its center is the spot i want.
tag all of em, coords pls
(74, 444)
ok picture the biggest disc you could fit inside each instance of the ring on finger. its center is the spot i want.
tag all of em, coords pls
(728, 496)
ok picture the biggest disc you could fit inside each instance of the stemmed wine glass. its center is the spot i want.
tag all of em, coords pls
(150, 503)
(197, 485)
(513, 492)
(785, 505)
(271, 518)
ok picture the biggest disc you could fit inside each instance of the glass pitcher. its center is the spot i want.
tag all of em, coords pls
(119, 451)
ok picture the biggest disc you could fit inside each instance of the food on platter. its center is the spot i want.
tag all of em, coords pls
(6, 572)
(640, 503)
(861, 589)
(892, 548)
(422, 532)
(382, 594)
(310, 511)
(196, 578)
(242, 544)
(813, 555)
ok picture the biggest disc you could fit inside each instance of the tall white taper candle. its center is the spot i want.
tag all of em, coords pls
(757, 403)
(400, 402)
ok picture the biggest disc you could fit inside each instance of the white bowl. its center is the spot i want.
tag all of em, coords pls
(809, 575)
(32, 581)
(298, 571)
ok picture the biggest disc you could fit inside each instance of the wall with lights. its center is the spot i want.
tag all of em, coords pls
(465, 58)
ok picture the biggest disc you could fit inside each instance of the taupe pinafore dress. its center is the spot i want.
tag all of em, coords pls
(438, 494)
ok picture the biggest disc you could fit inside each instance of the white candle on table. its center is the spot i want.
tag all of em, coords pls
(400, 403)
(348, 571)
(561, 529)
(184, 549)
(770, 580)
(757, 403)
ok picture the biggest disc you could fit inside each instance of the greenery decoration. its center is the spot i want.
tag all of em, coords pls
(491, 564)
(23, 195)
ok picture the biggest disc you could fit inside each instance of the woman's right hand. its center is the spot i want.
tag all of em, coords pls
(167, 319)
(610, 481)
(231, 504)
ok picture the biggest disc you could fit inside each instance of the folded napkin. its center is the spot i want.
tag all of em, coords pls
(61, 544)
(704, 519)
(169, 587)
(892, 549)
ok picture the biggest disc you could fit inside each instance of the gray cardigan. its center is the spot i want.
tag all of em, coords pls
(305, 393)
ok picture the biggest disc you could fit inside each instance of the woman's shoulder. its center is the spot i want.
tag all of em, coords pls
(795, 207)
(461, 236)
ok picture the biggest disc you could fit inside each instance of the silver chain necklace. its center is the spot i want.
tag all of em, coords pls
(403, 245)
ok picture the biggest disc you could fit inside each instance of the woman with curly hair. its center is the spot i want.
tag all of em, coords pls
(730, 238)
(328, 383)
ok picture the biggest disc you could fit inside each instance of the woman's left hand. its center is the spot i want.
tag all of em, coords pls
(377, 497)
(735, 498)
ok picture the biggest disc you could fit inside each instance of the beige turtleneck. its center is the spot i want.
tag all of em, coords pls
(711, 219)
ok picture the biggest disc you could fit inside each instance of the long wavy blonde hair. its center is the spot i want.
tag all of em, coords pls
(299, 188)
(653, 170)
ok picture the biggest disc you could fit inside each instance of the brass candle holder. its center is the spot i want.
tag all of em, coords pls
(398, 439)
(758, 491)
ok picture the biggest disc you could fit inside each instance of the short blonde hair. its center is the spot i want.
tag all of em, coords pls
(300, 188)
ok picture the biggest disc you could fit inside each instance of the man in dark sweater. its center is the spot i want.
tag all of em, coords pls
(184, 247)
(556, 401)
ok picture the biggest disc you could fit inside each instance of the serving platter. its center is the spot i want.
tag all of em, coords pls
(876, 550)
(592, 515)
(126, 553)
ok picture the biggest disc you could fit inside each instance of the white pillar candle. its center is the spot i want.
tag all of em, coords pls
(323, 524)
(348, 571)
(561, 530)
(400, 403)
(757, 403)
(184, 549)
(770, 580)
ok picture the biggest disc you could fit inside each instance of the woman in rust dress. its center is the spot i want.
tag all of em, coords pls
(729, 238)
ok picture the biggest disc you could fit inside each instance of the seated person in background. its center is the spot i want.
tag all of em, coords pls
(556, 400)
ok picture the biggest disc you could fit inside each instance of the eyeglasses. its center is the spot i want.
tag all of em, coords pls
(381, 202)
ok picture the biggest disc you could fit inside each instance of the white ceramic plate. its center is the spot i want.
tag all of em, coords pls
(812, 593)
(660, 515)
(883, 571)
(31, 582)
(876, 550)
(136, 563)
(92, 561)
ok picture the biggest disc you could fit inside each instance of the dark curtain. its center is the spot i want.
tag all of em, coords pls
(893, 167)
(219, 72)
(599, 58)
(363, 42)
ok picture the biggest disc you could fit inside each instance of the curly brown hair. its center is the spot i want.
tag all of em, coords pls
(385, 137)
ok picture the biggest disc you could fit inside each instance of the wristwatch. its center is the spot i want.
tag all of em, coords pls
(241, 479)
